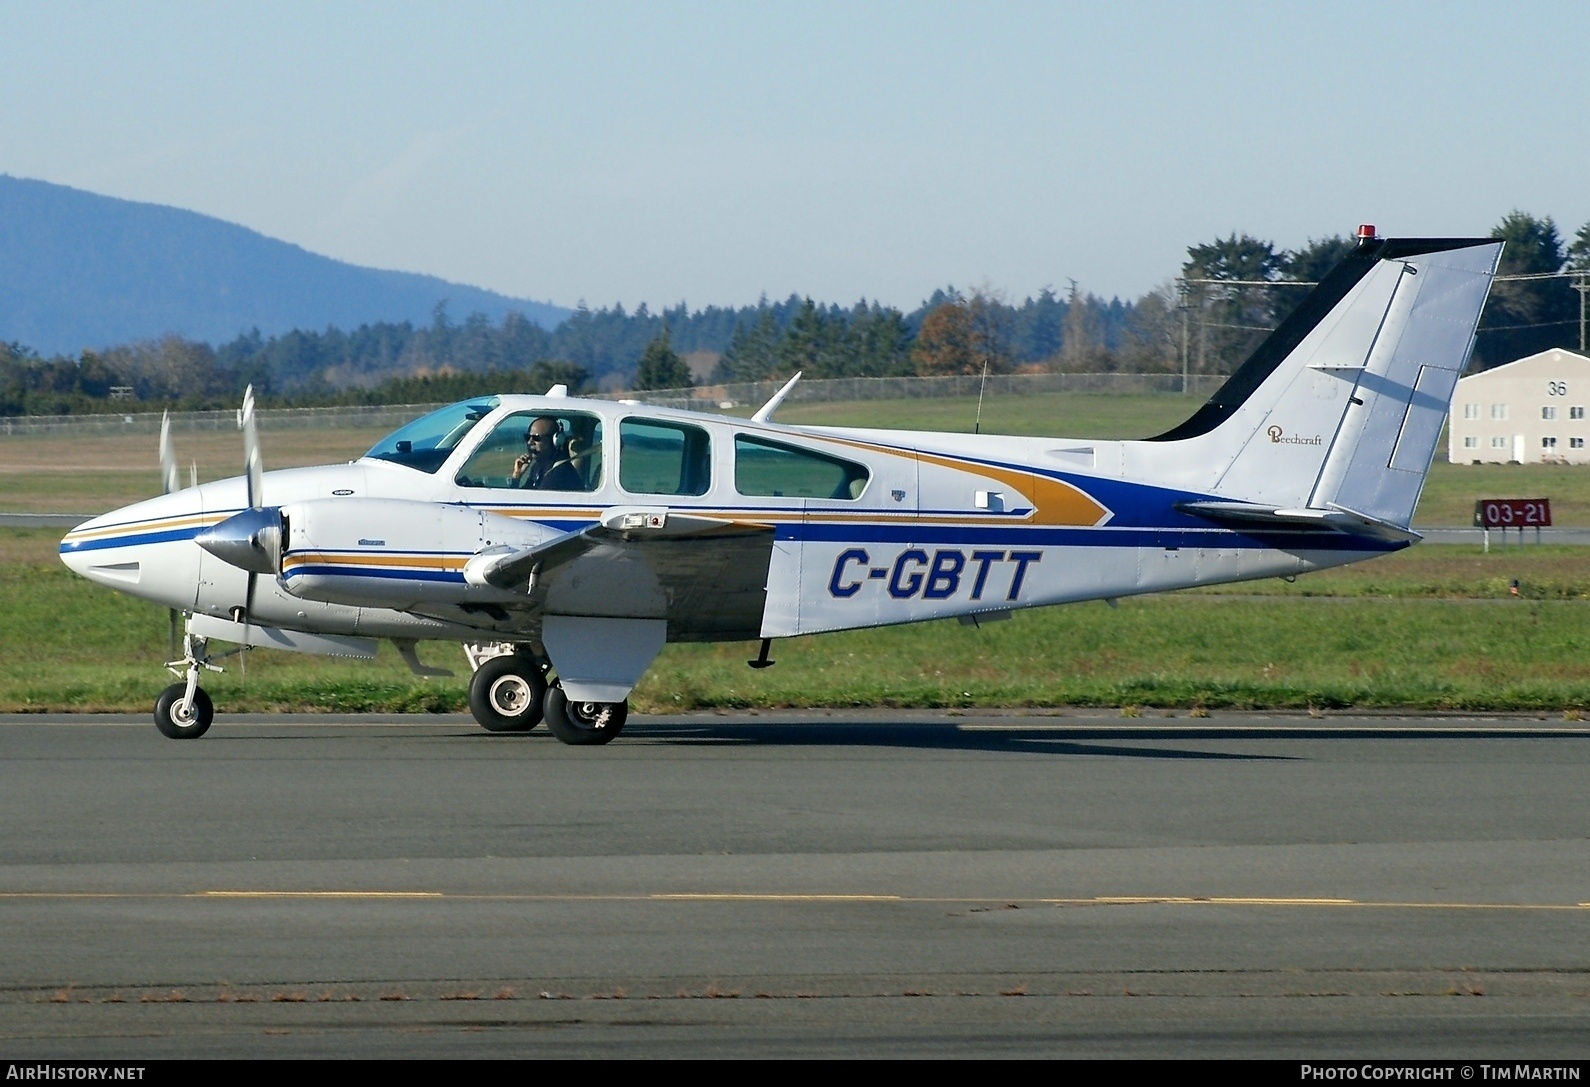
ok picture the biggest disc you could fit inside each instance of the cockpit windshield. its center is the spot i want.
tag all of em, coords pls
(426, 442)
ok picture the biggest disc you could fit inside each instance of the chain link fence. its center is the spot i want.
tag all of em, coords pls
(754, 394)
(701, 398)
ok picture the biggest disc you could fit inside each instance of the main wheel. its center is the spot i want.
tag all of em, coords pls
(505, 694)
(582, 723)
(177, 719)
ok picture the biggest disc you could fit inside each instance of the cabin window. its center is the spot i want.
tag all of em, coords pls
(655, 457)
(1471, 443)
(1471, 411)
(1498, 443)
(566, 455)
(1575, 443)
(1498, 411)
(429, 440)
(1548, 443)
(775, 470)
(1576, 413)
(1548, 413)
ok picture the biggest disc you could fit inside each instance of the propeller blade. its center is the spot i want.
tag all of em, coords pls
(168, 459)
(253, 466)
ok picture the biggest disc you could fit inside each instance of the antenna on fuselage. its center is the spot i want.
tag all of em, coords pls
(765, 412)
(977, 426)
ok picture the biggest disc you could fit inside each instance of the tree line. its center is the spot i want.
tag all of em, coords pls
(1229, 294)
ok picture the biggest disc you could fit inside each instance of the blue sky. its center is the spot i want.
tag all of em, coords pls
(715, 152)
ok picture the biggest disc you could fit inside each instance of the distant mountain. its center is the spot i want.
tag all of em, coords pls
(80, 270)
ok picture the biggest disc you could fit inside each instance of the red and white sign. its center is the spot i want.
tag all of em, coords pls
(1513, 513)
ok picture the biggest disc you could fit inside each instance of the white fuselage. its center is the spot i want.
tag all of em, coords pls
(933, 525)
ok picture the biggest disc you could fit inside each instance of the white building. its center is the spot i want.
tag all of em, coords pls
(1528, 412)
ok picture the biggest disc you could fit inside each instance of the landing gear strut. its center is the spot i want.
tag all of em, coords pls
(583, 723)
(506, 692)
(183, 711)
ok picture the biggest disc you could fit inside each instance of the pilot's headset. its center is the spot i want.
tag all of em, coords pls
(560, 433)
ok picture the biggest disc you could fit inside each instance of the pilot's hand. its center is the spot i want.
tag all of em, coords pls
(520, 464)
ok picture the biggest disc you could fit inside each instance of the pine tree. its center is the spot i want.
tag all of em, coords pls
(661, 367)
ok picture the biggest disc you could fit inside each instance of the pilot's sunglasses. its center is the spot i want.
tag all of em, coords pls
(537, 438)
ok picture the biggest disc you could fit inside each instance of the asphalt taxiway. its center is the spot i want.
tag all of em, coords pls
(853, 883)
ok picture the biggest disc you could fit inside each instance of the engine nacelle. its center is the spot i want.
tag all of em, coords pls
(393, 553)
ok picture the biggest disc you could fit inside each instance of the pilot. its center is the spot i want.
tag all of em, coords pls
(543, 465)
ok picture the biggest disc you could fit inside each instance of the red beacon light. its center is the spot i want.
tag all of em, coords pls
(1366, 232)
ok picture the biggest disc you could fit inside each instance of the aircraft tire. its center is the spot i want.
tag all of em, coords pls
(583, 724)
(506, 694)
(178, 726)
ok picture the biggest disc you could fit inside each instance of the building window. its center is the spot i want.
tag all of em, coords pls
(1576, 413)
(1498, 411)
(1548, 413)
(1498, 443)
(1471, 411)
(1548, 443)
(1471, 443)
(1575, 443)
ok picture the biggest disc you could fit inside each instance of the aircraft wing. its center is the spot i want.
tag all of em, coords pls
(706, 576)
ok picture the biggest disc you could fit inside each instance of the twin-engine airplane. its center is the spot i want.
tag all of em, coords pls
(563, 541)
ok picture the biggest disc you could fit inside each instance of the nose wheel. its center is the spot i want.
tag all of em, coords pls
(506, 693)
(183, 715)
(583, 723)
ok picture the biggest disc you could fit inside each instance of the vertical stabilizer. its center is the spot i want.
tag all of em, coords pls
(1387, 438)
(1339, 409)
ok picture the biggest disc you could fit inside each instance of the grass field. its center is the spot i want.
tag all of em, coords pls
(1432, 627)
(92, 475)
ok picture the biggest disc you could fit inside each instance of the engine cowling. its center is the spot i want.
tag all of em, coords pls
(394, 553)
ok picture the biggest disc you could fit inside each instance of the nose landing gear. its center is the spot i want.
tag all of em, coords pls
(183, 711)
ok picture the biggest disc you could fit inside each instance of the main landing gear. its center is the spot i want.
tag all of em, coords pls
(506, 692)
(584, 723)
(511, 691)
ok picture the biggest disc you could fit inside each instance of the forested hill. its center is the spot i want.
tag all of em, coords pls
(78, 270)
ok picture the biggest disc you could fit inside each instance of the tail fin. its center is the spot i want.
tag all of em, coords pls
(1339, 410)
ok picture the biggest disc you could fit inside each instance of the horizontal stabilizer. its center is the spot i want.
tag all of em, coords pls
(1336, 519)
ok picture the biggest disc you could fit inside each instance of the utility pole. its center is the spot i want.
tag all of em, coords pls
(1182, 304)
(1581, 283)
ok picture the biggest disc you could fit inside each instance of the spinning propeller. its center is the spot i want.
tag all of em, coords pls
(168, 477)
(250, 540)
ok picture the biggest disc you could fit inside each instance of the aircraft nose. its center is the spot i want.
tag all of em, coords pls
(145, 549)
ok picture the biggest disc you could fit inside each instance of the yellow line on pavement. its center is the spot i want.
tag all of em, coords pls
(814, 898)
(714, 897)
(319, 894)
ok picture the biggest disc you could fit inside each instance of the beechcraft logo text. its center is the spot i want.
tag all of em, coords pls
(1279, 437)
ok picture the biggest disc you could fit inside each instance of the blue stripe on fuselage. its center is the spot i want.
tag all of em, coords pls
(925, 533)
(453, 576)
(132, 539)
